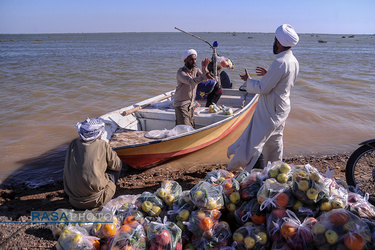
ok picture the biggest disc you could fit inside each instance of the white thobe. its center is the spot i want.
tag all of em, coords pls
(264, 134)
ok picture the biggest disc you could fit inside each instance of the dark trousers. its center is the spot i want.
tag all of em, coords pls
(113, 175)
(260, 162)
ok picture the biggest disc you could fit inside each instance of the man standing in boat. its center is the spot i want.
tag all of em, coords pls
(188, 77)
(264, 134)
(91, 168)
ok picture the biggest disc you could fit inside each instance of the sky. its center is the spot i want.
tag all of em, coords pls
(94, 16)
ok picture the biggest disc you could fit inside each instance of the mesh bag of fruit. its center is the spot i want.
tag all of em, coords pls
(251, 185)
(169, 191)
(361, 206)
(249, 211)
(218, 176)
(205, 195)
(336, 196)
(280, 171)
(106, 230)
(56, 228)
(297, 233)
(130, 236)
(217, 239)
(150, 204)
(308, 184)
(341, 227)
(201, 222)
(72, 237)
(164, 235)
(250, 236)
(274, 194)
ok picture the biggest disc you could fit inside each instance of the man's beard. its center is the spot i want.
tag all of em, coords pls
(189, 65)
(275, 47)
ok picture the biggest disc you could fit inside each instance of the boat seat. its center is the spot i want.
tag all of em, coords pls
(153, 118)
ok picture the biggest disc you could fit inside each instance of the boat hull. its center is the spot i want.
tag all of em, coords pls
(150, 154)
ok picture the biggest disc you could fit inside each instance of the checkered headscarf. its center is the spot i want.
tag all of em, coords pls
(90, 129)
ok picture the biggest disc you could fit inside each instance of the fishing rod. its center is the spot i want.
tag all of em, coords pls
(213, 47)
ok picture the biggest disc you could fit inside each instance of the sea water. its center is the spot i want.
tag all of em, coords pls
(49, 82)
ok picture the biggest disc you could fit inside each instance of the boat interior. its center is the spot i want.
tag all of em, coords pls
(130, 129)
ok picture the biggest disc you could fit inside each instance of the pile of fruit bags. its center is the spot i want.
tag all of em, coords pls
(279, 207)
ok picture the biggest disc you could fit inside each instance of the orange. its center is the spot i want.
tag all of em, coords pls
(109, 229)
(127, 248)
(281, 200)
(287, 230)
(95, 243)
(129, 219)
(126, 228)
(338, 217)
(354, 241)
(206, 224)
(215, 214)
(259, 218)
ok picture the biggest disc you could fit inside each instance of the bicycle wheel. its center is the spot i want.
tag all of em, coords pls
(360, 170)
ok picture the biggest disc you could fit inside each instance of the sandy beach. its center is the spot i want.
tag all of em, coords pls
(17, 203)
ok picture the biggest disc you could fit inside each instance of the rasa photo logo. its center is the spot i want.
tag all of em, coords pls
(64, 216)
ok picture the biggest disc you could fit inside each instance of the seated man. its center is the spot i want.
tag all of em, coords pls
(91, 168)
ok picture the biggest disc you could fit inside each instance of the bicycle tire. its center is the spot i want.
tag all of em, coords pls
(360, 170)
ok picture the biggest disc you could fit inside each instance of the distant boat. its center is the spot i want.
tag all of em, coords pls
(126, 127)
(322, 41)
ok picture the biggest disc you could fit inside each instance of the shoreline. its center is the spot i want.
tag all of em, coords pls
(17, 203)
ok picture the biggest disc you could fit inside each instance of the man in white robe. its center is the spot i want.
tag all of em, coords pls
(264, 134)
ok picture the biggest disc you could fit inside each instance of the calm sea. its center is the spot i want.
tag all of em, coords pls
(49, 82)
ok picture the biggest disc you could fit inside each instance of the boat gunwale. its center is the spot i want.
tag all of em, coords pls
(240, 112)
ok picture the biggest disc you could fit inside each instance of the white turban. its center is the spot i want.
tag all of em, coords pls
(90, 129)
(286, 35)
(188, 53)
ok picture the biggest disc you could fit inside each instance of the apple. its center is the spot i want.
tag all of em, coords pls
(155, 211)
(231, 207)
(186, 198)
(246, 194)
(249, 242)
(169, 199)
(319, 228)
(273, 172)
(312, 194)
(235, 197)
(297, 205)
(262, 236)
(211, 203)
(326, 206)
(201, 215)
(282, 178)
(180, 224)
(279, 212)
(315, 176)
(147, 206)
(336, 203)
(199, 195)
(178, 246)
(285, 168)
(221, 179)
(162, 237)
(331, 236)
(189, 246)
(183, 215)
(237, 237)
(303, 185)
(162, 193)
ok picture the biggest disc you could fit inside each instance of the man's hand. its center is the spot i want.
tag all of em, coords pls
(209, 76)
(245, 76)
(260, 71)
(205, 62)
